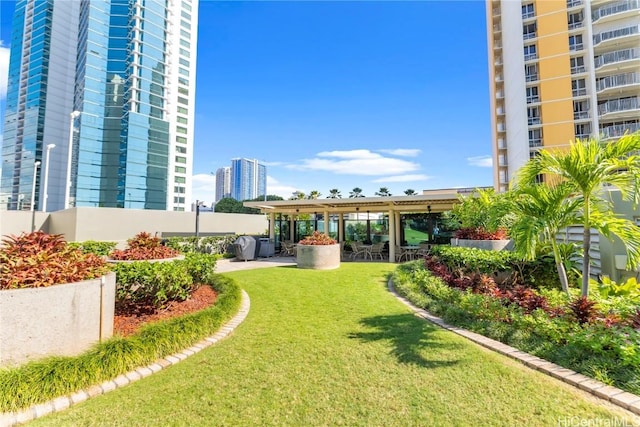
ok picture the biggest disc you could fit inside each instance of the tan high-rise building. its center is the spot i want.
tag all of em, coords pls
(560, 70)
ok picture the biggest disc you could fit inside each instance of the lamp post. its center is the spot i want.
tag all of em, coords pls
(46, 177)
(197, 218)
(33, 196)
(67, 192)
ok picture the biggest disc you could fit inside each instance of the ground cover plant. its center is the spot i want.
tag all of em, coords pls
(95, 247)
(37, 259)
(45, 379)
(215, 245)
(335, 348)
(597, 336)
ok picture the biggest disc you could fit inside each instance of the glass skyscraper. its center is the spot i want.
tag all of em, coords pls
(248, 179)
(112, 84)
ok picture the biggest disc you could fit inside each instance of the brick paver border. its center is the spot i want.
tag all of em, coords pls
(601, 390)
(61, 403)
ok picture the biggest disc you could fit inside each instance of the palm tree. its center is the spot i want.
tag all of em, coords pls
(586, 168)
(334, 193)
(356, 192)
(541, 212)
(410, 192)
(314, 194)
(383, 192)
(297, 195)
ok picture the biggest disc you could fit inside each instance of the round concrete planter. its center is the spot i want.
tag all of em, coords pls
(318, 257)
(487, 245)
(61, 320)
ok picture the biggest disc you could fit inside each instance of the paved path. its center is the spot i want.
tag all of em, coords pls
(226, 265)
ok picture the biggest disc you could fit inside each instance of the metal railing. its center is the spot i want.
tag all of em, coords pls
(580, 115)
(617, 56)
(574, 3)
(578, 69)
(614, 34)
(530, 56)
(615, 105)
(534, 143)
(617, 81)
(616, 131)
(617, 7)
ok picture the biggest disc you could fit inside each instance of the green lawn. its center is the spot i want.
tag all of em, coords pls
(335, 348)
(413, 237)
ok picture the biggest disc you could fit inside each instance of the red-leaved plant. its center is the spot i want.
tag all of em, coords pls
(480, 233)
(317, 239)
(38, 259)
(143, 247)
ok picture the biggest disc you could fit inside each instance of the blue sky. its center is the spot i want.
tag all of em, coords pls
(341, 94)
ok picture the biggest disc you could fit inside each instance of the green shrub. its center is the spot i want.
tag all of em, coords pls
(201, 267)
(152, 284)
(42, 380)
(94, 247)
(214, 245)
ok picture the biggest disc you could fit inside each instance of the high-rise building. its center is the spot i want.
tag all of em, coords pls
(223, 183)
(248, 179)
(560, 70)
(112, 84)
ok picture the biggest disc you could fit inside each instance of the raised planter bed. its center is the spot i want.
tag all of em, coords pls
(318, 257)
(61, 320)
(488, 245)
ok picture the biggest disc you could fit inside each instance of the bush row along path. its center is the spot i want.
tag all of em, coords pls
(336, 348)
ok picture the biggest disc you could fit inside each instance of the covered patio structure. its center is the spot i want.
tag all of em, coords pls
(434, 202)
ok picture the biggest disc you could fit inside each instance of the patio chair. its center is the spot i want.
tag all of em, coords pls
(425, 249)
(357, 250)
(401, 254)
(288, 249)
(376, 251)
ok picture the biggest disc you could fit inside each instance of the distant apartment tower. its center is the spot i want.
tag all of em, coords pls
(248, 179)
(560, 70)
(112, 84)
(223, 183)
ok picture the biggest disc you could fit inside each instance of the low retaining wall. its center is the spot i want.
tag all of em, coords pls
(488, 245)
(57, 320)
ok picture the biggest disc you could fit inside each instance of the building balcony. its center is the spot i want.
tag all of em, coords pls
(619, 9)
(573, 3)
(616, 131)
(501, 127)
(533, 99)
(581, 115)
(528, 15)
(530, 56)
(576, 25)
(529, 36)
(579, 69)
(535, 143)
(532, 121)
(617, 58)
(502, 144)
(619, 34)
(531, 77)
(622, 105)
(617, 82)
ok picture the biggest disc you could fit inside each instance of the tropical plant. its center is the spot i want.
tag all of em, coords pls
(485, 209)
(410, 192)
(356, 192)
(334, 193)
(610, 288)
(38, 259)
(541, 212)
(317, 239)
(229, 205)
(585, 169)
(144, 247)
(314, 194)
(383, 192)
(297, 195)
(94, 247)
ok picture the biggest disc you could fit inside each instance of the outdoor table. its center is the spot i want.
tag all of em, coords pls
(410, 251)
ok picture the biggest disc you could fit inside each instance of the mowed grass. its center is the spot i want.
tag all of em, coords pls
(335, 348)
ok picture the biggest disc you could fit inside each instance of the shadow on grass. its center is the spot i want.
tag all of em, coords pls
(410, 338)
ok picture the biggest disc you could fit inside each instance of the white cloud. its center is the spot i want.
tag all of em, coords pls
(203, 187)
(480, 161)
(274, 187)
(355, 162)
(4, 69)
(271, 163)
(403, 178)
(404, 152)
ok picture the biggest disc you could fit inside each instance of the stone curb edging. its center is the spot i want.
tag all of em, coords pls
(61, 403)
(618, 397)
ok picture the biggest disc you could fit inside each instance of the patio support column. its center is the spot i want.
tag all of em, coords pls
(292, 221)
(341, 227)
(396, 219)
(392, 236)
(272, 227)
(326, 222)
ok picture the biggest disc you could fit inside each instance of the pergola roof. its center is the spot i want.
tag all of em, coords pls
(439, 202)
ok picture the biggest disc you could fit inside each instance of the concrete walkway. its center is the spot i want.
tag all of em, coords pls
(227, 265)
